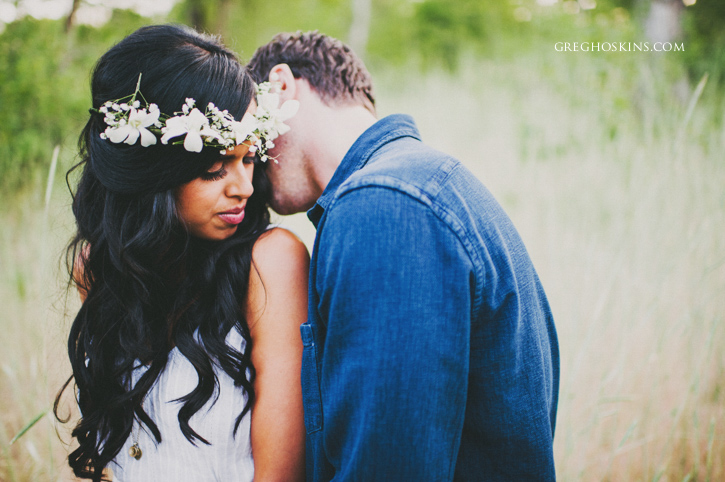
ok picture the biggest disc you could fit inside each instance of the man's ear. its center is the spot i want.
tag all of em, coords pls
(281, 76)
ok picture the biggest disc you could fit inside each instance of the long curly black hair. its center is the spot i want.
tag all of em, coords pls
(150, 286)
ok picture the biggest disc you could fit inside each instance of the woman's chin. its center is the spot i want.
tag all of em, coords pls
(216, 234)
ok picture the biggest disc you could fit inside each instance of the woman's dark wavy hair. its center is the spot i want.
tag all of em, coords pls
(150, 285)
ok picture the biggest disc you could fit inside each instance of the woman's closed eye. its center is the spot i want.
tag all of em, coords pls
(218, 170)
(214, 175)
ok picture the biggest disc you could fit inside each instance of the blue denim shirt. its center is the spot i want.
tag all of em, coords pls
(430, 352)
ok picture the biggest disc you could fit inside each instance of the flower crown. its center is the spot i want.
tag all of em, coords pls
(130, 119)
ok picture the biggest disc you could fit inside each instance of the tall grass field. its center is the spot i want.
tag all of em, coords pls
(614, 175)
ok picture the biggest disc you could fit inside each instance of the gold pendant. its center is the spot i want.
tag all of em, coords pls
(135, 451)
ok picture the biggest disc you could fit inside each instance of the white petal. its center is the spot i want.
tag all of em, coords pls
(170, 134)
(268, 101)
(147, 137)
(196, 120)
(151, 118)
(243, 130)
(118, 134)
(132, 137)
(175, 126)
(208, 132)
(288, 109)
(248, 121)
(282, 128)
(193, 142)
(136, 117)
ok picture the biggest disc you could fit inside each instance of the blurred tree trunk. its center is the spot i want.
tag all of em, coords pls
(71, 16)
(212, 16)
(360, 27)
(664, 20)
(197, 14)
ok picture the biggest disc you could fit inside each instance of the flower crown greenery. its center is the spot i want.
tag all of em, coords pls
(132, 118)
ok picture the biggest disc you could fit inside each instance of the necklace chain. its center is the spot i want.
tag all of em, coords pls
(135, 450)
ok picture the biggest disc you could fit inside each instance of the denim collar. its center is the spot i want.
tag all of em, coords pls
(376, 136)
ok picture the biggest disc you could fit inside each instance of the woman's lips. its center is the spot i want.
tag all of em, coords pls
(233, 216)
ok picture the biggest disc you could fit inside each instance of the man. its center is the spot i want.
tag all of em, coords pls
(430, 352)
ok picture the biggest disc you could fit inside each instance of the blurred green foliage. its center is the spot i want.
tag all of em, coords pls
(44, 70)
(704, 25)
(38, 95)
(246, 24)
(44, 88)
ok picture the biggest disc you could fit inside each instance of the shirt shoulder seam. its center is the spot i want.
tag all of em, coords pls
(445, 216)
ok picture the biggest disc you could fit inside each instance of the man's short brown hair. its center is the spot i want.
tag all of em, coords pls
(330, 66)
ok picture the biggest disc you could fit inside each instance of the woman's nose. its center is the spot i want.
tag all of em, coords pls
(240, 179)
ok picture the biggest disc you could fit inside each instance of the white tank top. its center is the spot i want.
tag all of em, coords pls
(228, 458)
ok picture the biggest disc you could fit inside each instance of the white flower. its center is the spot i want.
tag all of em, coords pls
(267, 102)
(129, 132)
(243, 129)
(127, 122)
(194, 126)
(272, 116)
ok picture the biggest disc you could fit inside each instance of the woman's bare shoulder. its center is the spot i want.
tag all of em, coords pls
(278, 252)
(278, 277)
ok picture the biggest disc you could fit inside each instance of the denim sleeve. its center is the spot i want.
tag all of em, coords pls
(395, 289)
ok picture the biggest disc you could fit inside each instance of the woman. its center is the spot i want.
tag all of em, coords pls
(186, 351)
